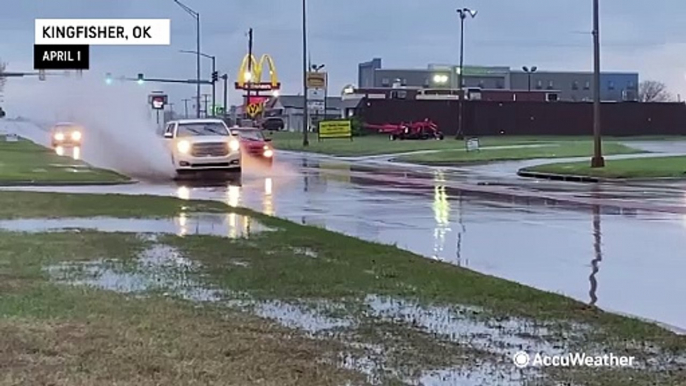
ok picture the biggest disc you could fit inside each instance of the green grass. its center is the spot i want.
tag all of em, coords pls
(653, 167)
(102, 337)
(380, 144)
(560, 149)
(39, 204)
(24, 162)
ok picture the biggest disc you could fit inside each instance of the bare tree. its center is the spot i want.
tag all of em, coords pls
(654, 91)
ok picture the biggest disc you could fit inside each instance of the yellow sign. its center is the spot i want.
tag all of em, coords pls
(254, 109)
(316, 80)
(250, 73)
(335, 129)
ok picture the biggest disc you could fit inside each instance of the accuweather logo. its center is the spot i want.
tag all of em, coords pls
(522, 359)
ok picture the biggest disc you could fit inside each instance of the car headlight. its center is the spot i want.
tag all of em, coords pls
(268, 153)
(183, 147)
(59, 136)
(234, 145)
(76, 136)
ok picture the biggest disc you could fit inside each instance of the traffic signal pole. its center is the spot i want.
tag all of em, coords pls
(214, 82)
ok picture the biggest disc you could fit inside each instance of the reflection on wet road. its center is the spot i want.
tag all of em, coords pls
(596, 243)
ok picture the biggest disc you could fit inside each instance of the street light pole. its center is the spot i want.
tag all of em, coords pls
(529, 72)
(225, 78)
(464, 12)
(597, 161)
(214, 69)
(195, 15)
(306, 117)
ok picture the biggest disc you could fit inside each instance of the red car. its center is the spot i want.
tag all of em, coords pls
(254, 143)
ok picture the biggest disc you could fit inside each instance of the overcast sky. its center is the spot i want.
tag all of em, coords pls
(552, 34)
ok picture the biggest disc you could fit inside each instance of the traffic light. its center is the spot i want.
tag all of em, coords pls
(108, 78)
(141, 79)
(215, 76)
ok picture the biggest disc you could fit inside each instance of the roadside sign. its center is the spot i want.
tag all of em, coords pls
(335, 129)
(472, 144)
(11, 137)
(316, 80)
(317, 106)
(254, 109)
(218, 110)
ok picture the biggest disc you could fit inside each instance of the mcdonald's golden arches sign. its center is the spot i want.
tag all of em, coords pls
(251, 71)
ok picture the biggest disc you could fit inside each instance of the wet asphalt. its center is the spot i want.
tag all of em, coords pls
(617, 246)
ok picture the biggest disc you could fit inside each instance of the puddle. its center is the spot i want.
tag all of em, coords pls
(459, 325)
(224, 225)
(159, 268)
(309, 252)
(310, 319)
(481, 375)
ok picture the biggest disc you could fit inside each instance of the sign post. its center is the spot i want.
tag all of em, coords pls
(331, 129)
(316, 96)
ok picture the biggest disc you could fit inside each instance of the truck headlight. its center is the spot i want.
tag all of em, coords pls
(76, 136)
(183, 147)
(59, 136)
(234, 145)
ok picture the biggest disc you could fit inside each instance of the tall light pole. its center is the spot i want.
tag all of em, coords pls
(214, 69)
(464, 13)
(597, 161)
(196, 16)
(306, 117)
(529, 72)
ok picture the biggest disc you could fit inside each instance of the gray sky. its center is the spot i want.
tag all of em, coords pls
(552, 34)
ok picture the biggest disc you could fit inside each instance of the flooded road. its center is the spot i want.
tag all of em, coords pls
(615, 246)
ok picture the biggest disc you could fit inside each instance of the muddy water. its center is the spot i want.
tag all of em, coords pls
(225, 225)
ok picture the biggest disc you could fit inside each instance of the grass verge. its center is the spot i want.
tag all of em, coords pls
(24, 162)
(560, 149)
(117, 337)
(636, 168)
(380, 144)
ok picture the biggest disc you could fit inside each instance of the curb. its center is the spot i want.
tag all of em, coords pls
(560, 177)
(65, 183)
(588, 179)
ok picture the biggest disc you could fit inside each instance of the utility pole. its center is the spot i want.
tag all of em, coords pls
(206, 101)
(250, 69)
(196, 105)
(214, 94)
(171, 110)
(185, 107)
(597, 161)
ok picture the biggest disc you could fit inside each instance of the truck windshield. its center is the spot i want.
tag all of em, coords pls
(198, 129)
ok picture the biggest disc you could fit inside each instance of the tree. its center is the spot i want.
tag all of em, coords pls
(653, 91)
